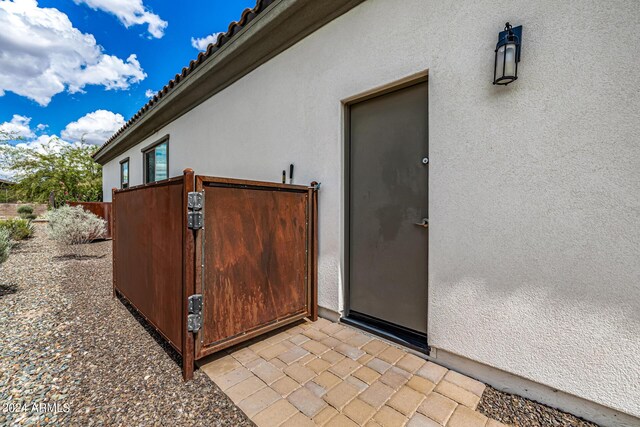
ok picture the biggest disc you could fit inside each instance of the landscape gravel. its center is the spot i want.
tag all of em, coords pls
(520, 412)
(71, 354)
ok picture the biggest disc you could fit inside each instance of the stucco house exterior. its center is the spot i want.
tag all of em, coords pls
(499, 225)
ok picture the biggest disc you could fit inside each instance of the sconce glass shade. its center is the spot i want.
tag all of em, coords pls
(507, 56)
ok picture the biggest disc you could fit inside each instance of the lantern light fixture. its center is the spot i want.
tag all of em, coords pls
(507, 55)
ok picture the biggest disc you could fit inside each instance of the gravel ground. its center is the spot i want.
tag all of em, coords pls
(73, 355)
(521, 412)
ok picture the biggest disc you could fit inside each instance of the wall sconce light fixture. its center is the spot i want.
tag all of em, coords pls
(507, 55)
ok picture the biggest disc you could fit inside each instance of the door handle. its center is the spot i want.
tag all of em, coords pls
(424, 223)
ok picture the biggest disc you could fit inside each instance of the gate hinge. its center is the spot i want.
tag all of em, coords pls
(195, 215)
(194, 200)
(194, 220)
(194, 319)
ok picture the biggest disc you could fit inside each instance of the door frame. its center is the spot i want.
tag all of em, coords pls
(374, 327)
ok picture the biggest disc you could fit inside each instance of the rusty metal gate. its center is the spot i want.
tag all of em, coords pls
(211, 262)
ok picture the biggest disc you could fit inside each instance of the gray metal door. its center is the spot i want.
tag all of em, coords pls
(388, 202)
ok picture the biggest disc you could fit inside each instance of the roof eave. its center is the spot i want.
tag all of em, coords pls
(259, 41)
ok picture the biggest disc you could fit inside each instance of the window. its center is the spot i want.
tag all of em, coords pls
(156, 161)
(124, 173)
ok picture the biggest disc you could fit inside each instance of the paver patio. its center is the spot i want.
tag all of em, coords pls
(330, 374)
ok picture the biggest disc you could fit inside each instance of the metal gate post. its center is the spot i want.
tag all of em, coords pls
(188, 277)
(113, 240)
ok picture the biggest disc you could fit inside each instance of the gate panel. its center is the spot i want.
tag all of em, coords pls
(255, 258)
(148, 253)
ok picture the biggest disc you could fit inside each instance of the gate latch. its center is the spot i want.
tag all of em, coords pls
(194, 319)
(195, 215)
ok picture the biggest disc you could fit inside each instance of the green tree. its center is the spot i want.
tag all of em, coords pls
(67, 170)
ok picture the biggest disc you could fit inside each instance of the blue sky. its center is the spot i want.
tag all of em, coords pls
(66, 71)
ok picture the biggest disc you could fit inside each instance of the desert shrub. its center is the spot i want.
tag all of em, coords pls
(18, 228)
(73, 225)
(5, 245)
(25, 210)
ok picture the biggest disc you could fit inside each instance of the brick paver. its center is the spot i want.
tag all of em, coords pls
(366, 374)
(390, 417)
(285, 386)
(360, 385)
(437, 407)
(421, 385)
(474, 386)
(300, 373)
(379, 365)
(232, 378)
(341, 394)
(258, 401)
(465, 417)
(292, 355)
(377, 394)
(306, 402)
(246, 388)
(419, 420)
(460, 395)
(330, 374)
(344, 367)
(406, 401)
(359, 411)
(275, 414)
(325, 415)
(267, 372)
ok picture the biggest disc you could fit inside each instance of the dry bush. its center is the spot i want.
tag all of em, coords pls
(73, 225)
(5, 245)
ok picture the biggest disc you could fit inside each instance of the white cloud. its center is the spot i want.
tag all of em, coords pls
(204, 42)
(52, 141)
(130, 12)
(42, 54)
(93, 128)
(149, 93)
(18, 127)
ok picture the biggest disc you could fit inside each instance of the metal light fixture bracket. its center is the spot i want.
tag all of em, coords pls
(509, 35)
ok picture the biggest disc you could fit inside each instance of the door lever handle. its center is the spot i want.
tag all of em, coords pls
(424, 223)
